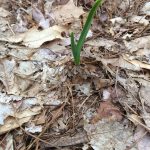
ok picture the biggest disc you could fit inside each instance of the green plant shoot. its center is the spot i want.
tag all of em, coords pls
(77, 46)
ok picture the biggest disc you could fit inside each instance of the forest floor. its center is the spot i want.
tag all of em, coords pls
(47, 102)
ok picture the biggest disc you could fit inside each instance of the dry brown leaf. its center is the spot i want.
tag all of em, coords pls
(144, 81)
(7, 76)
(101, 83)
(12, 122)
(68, 13)
(107, 110)
(35, 38)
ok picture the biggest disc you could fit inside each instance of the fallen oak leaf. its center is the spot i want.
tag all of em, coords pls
(34, 38)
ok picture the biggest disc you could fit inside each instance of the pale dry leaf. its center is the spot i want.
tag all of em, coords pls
(137, 63)
(11, 123)
(44, 55)
(27, 68)
(52, 74)
(21, 53)
(4, 98)
(138, 43)
(85, 147)
(3, 51)
(135, 119)
(19, 118)
(118, 20)
(143, 52)
(40, 19)
(144, 81)
(21, 24)
(3, 27)
(63, 14)
(139, 19)
(7, 76)
(4, 13)
(13, 38)
(125, 4)
(120, 62)
(145, 94)
(146, 8)
(19, 28)
(34, 38)
(109, 135)
(142, 139)
(146, 117)
(52, 98)
(5, 111)
(29, 88)
(102, 42)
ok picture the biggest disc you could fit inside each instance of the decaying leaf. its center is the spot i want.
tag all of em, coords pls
(16, 110)
(142, 139)
(109, 135)
(11, 123)
(138, 43)
(107, 110)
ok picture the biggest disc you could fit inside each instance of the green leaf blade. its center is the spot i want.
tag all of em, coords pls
(88, 24)
(76, 48)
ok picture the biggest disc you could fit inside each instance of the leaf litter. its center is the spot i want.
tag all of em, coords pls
(46, 101)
